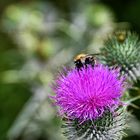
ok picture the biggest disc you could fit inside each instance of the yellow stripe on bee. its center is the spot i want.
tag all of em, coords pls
(79, 56)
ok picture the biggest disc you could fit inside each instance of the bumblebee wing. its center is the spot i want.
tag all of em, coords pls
(94, 54)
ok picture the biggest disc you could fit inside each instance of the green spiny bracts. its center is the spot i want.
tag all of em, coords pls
(123, 49)
(110, 126)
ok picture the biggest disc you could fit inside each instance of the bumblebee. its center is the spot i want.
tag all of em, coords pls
(83, 60)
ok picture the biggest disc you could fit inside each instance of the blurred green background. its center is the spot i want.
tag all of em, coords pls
(37, 38)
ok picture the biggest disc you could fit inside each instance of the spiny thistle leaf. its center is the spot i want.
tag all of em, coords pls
(110, 126)
(123, 49)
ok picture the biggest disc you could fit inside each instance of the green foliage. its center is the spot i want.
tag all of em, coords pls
(12, 98)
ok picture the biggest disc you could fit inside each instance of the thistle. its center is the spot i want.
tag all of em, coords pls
(89, 101)
(123, 49)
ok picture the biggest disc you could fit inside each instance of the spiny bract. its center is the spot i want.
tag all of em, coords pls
(110, 126)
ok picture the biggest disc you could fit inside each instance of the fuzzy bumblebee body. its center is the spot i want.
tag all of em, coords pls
(83, 60)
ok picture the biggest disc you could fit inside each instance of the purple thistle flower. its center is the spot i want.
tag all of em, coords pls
(86, 94)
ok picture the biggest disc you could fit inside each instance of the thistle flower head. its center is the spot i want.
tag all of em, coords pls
(122, 49)
(86, 94)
